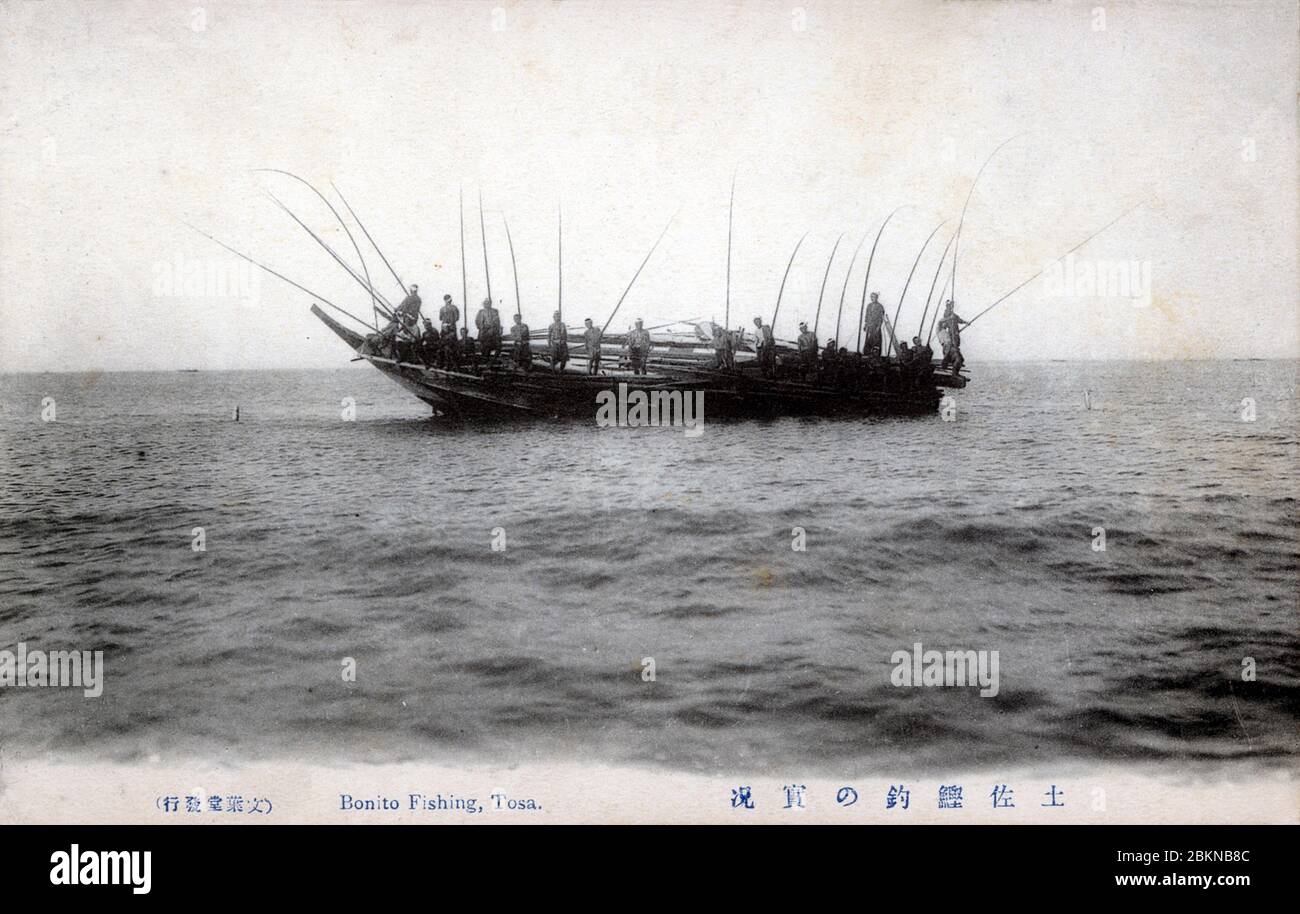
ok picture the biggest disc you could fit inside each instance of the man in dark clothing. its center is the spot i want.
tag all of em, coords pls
(591, 336)
(523, 348)
(638, 348)
(488, 323)
(871, 322)
(450, 349)
(429, 345)
(468, 350)
(408, 312)
(807, 351)
(765, 346)
(720, 342)
(950, 337)
(557, 343)
(448, 315)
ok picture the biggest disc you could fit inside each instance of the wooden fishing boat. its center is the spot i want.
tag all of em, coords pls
(681, 363)
(504, 390)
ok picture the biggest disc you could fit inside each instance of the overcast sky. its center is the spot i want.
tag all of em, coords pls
(121, 121)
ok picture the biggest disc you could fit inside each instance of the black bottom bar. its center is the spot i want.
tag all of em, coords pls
(335, 863)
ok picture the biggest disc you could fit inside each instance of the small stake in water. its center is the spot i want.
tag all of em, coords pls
(236, 413)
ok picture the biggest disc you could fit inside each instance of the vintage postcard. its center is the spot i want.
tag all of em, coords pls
(649, 412)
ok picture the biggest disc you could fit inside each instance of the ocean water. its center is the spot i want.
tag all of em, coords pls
(372, 539)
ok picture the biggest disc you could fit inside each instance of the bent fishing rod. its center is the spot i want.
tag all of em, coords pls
(374, 296)
(240, 254)
(1054, 260)
(899, 309)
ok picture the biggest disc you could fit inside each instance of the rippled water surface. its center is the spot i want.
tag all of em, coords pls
(371, 539)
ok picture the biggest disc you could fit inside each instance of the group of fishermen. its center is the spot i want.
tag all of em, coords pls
(410, 336)
(837, 360)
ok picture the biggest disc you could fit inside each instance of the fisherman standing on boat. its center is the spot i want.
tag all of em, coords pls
(467, 354)
(828, 363)
(591, 336)
(557, 343)
(923, 360)
(720, 343)
(922, 353)
(448, 315)
(450, 349)
(765, 344)
(409, 311)
(488, 323)
(428, 346)
(807, 350)
(950, 337)
(638, 347)
(523, 348)
(871, 328)
(844, 368)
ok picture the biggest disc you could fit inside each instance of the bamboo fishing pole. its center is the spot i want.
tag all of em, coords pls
(866, 279)
(559, 260)
(635, 275)
(322, 243)
(386, 308)
(483, 231)
(943, 292)
(899, 309)
(322, 299)
(938, 268)
(962, 221)
(731, 209)
(519, 307)
(1044, 269)
(781, 291)
(840, 312)
(464, 281)
(362, 226)
(817, 319)
(364, 269)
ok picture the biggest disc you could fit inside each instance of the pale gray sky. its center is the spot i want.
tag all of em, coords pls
(122, 119)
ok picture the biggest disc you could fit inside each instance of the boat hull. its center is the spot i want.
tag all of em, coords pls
(503, 391)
